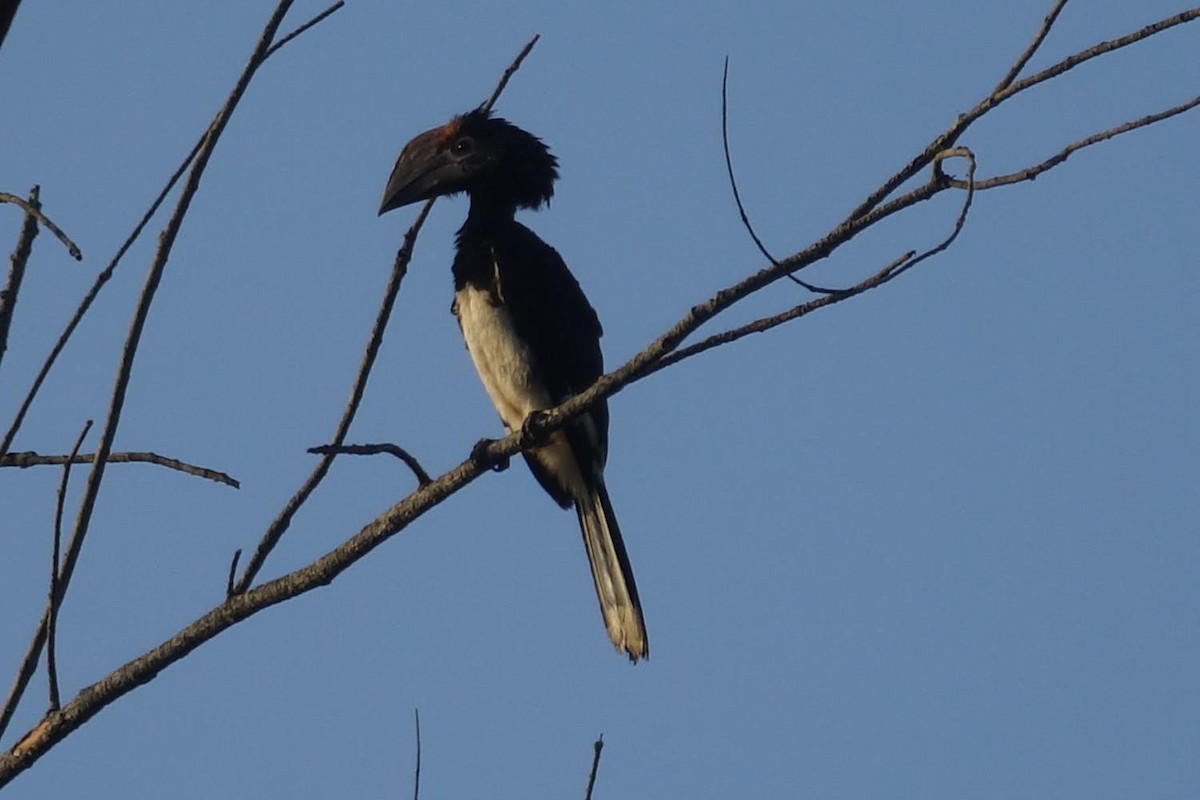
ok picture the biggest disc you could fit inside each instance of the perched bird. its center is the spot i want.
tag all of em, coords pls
(531, 333)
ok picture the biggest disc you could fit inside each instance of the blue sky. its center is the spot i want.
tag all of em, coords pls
(937, 541)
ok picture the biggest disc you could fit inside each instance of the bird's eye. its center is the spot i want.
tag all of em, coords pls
(462, 146)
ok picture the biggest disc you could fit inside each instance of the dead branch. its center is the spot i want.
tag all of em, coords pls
(597, 747)
(375, 449)
(233, 564)
(737, 195)
(57, 586)
(34, 209)
(893, 270)
(1031, 48)
(16, 271)
(28, 458)
(314, 21)
(417, 771)
(1031, 173)
(508, 73)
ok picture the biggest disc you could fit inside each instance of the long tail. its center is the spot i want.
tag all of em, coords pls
(615, 587)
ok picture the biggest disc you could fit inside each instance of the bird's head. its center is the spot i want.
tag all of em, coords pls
(476, 153)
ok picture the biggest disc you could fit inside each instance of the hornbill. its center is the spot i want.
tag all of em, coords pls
(531, 333)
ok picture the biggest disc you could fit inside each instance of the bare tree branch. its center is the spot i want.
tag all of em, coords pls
(375, 449)
(16, 270)
(737, 196)
(314, 21)
(1031, 173)
(767, 323)
(597, 747)
(52, 623)
(28, 458)
(1032, 48)
(508, 73)
(237, 555)
(417, 772)
(1095, 51)
(893, 270)
(34, 209)
(941, 178)
(58, 581)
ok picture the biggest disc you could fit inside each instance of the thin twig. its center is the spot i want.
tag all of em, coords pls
(16, 271)
(597, 746)
(314, 21)
(283, 520)
(237, 555)
(960, 221)
(893, 270)
(737, 196)
(417, 774)
(1031, 48)
(28, 458)
(34, 209)
(508, 73)
(375, 449)
(767, 323)
(1095, 51)
(1031, 173)
(54, 601)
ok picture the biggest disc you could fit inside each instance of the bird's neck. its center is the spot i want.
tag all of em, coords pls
(488, 222)
(490, 209)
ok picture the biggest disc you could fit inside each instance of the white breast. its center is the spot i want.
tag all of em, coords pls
(501, 358)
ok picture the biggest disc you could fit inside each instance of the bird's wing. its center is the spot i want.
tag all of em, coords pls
(553, 316)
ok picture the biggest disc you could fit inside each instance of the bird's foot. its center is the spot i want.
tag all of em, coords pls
(534, 428)
(481, 456)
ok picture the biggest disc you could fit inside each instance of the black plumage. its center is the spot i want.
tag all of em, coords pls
(532, 334)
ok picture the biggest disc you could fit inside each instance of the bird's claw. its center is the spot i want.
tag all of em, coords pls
(533, 428)
(480, 455)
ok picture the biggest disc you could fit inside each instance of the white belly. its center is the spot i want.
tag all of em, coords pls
(501, 358)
